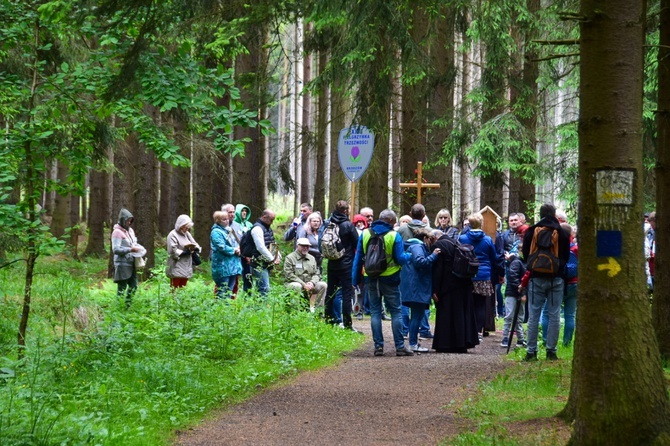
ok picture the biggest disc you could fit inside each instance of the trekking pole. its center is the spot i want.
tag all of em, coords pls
(520, 301)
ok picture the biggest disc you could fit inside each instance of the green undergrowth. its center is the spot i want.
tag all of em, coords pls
(502, 409)
(96, 373)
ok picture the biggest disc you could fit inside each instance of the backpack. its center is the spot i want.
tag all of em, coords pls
(331, 244)
(375, 255)
(543, 254)
(571, 266)
(465, 264)
(247, 245)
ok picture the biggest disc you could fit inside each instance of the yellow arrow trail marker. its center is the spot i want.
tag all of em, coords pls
(612, 267)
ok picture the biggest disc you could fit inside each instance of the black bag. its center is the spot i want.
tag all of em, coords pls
(466, 264)
(195, 257)
(247, 245)
(375, 255)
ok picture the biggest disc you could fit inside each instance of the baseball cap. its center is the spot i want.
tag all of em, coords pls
(303, 241)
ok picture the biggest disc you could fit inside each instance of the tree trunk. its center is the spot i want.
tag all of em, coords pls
(59, 216)
(74, 220)
(441, 108)
(97, 216)
(251, 175)
(661, 303)
(306, 135)
(202, 199)
(166, 220)
(413, 146)
(146, 197)
(338, 187)
(321, 144)
(619, 389)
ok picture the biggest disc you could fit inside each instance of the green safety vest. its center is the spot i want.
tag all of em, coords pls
(389, 240)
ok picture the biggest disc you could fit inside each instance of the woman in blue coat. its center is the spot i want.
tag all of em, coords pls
(490, 268)
(416, 282)
(226, 260)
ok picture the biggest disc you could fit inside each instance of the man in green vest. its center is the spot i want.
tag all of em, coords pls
(386, 284)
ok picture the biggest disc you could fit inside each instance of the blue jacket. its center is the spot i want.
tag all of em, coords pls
(400, 257)
(224, 261)
(491, 263)
(416, 278)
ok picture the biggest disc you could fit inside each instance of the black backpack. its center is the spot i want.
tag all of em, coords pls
(247, 245)
(466, 264)
(375, 255)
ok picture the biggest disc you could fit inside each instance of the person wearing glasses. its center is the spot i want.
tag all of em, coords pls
(443, 223)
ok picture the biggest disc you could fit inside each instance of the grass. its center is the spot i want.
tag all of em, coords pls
(96, 373)
(517, 407)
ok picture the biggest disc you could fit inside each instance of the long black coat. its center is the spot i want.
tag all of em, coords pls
(455, 325)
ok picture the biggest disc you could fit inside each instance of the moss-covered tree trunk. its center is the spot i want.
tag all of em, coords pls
(661, 303)
(619, 392)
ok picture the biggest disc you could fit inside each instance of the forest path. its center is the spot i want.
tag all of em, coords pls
(362, 400)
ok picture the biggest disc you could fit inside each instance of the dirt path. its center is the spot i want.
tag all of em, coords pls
(364, 400)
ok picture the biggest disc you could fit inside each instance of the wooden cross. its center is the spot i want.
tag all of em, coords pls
(419, 182)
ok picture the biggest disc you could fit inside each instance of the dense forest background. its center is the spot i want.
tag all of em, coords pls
(177, 107)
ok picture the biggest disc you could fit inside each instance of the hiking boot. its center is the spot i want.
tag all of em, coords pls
(551, 356)
(530, 356)
(504, 343)
(418, 349)
(405, 351)
(379, 351)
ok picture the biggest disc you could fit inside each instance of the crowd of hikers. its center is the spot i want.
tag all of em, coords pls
(393, 269)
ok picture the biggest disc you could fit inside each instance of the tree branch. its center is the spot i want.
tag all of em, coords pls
(13, 261)
(555, 56)
(558, 42)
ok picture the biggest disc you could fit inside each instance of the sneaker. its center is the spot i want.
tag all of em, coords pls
(551, 356)
(385, 317)
(426, 336)
(504, 343)
(480, 337)
(379, 351)
(405, 351)
(418, 349)
(530, 356)
(359, 316)
(521, 343)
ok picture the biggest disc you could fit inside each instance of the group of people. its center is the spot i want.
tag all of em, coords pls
(418, 268)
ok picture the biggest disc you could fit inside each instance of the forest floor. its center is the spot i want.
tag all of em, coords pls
(366, 400)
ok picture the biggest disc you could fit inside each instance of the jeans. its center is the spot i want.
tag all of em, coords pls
(388, 287)
(337, 307)
(339, 279)
(510, 304)
(569, 312)
(424, 328)
(543, 290)
(261, 280)
(225, 286)
(418, 314)
(500, 302)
